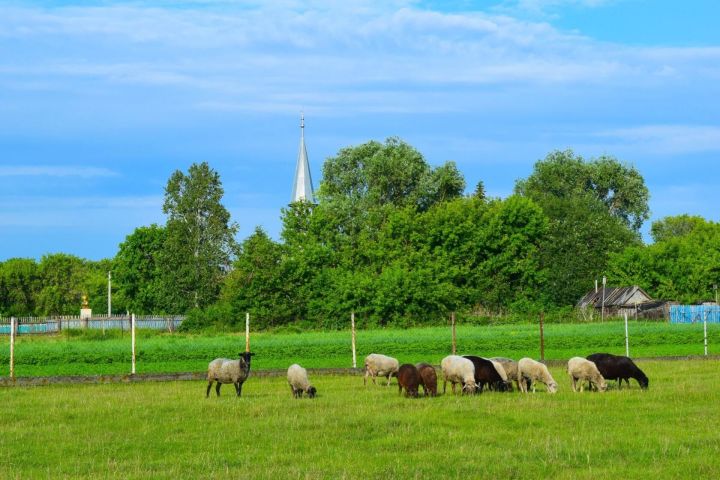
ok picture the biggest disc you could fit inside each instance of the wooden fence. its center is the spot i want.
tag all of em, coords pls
(55, 324)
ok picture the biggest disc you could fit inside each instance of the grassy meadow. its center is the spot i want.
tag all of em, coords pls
(170, 430)
(89, 353)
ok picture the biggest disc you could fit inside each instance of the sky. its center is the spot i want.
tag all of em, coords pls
(101, 101)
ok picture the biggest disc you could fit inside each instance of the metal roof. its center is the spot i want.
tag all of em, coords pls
(302, 186)
(614, 297)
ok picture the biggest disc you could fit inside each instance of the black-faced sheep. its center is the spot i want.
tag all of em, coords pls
(224, 370)
(486, 373)
(530, 371)
(581, 369)
(377, 365)
(409, 379)
(457, 369)
(428, 378)
(298, 379)
(618, 367)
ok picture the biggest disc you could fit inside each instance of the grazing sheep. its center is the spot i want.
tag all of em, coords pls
(298, 379)
(530, 371)
(510, 367)
(224, 370)
(486, 373)
(409, 379)
(457, 369)
(428, 378)
(377, 365)
(581, 369)
(618, 367)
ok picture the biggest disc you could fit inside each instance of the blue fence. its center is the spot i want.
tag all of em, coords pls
(694, 313)
(30, 325)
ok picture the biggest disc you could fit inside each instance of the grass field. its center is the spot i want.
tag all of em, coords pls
(90, 353)
(170, 430)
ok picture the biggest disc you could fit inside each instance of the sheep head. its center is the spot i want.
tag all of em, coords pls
(311, 392)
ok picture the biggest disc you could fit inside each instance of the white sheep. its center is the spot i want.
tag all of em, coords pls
(298, 379)
(377, 365)
(582, 369)
(532, 371)
(510, 367)
(225, 370)
(457, 369)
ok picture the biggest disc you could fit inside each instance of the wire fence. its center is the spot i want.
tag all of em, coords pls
(55, 324)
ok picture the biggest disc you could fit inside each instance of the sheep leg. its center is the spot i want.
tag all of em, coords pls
(582, 386)
(217, 388)
(239, 389)
(574, 383)
(453, 387)
(207, 394)
(367, 372)
(389, 376)
(444, 386)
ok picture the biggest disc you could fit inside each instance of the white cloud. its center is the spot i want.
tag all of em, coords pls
(52, 171)
(668, 139)
(326, 56)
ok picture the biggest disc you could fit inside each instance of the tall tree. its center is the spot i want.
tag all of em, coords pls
(137, 271)
(594, 207)
(200, 238)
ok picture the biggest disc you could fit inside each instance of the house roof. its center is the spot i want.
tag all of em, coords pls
(615, 297)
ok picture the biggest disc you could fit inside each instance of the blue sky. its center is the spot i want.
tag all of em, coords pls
(100, 101)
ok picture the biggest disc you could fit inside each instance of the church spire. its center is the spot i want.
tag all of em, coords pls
(302, 186)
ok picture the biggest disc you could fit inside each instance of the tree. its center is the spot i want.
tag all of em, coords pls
(200, 238)
(678, 226)
(594, 208)
(682, 267)
(19, 286)
(62, 277)
(619, 187)
(138, 273)
(258, 284)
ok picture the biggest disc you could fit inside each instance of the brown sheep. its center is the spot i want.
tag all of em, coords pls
(428, 378)
(409, 379)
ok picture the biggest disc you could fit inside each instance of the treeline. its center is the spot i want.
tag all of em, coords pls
(392, 239)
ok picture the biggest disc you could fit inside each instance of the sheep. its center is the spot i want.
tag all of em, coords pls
(457, 369)
(529, 370)
(224, 370)
(487, 374)
(618, 367)
(510, 367)
(428, 378)
(298, 379)
(377, 365)
(409, 379)
(581, 369)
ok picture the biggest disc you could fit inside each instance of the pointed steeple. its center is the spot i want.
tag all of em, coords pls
(302, 186)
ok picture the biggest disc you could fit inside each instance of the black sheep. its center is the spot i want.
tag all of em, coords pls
(617, 367)
(486, 374)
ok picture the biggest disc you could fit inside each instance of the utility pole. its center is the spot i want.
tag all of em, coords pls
(602, 310)
(109, 294)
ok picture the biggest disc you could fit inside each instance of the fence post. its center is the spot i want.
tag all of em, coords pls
(247, 331)
(132, 329)
(454, 336)
(12, 348)
(352, 328)
(705, 331)
(627, 340)
(542, 336)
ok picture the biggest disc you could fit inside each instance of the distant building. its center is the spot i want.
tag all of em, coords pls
(620, 300)
(302, 186)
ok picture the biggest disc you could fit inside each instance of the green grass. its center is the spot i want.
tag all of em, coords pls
(170, 430)
(89, 353)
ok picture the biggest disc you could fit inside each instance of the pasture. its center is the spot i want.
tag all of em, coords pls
(89, 353)
(170, 430)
